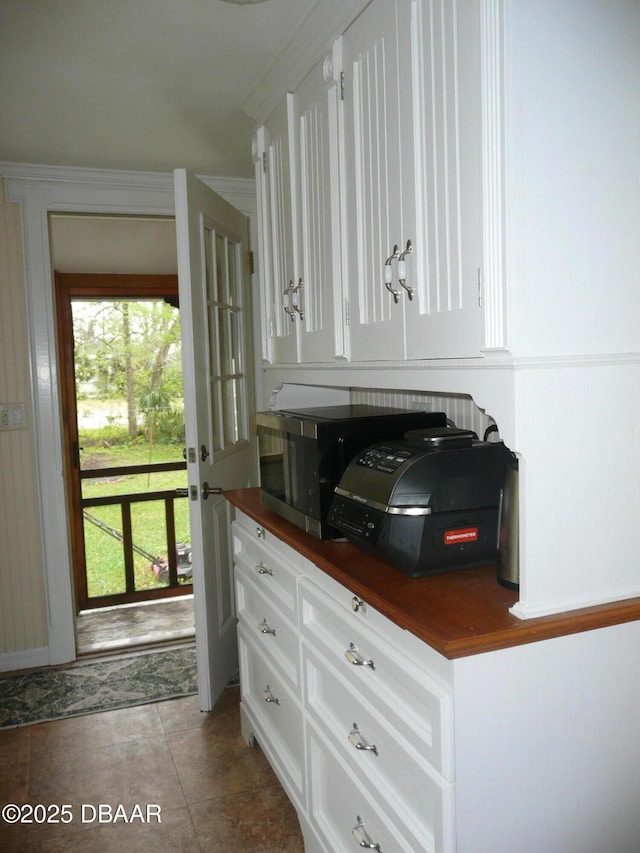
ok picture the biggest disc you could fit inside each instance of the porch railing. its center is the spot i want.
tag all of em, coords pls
(126, 501)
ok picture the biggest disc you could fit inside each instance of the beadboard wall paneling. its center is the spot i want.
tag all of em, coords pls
(459, 408)
(23, 622)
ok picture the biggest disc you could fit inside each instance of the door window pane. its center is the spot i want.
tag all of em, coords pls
(226, 341)
(221, 268)
(232, 405)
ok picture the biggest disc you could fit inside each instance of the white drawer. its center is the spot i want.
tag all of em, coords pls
(275, 711)
(416, 706)
(268, 560)
(387, 767)
(355, 609)
(338, 804)
(264, 620)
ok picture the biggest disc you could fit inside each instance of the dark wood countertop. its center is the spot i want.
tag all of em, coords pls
(459, 613)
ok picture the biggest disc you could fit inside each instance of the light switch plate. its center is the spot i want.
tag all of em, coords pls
(12, 416)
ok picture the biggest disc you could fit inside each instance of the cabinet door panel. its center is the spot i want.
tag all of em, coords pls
(279, 234)
(441, 149)
(373, 179)
(318, 243)
(413, 160)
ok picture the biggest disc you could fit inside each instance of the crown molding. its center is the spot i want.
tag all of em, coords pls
(42, 173)
(32, 179)
(116, 177)
(324, 23)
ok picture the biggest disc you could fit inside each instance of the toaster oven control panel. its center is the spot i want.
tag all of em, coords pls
(384, 458)
(356, 519)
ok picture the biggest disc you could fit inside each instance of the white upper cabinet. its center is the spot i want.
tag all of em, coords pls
(317, 113)
(274, 179)
(370, 193)
(373, 183)
(298, 179)
(413, 179)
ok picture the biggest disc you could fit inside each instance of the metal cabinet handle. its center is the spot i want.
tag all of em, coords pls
(388, 275)
(287, 307)
(296, 307)
(356, 740)
(354, 657)
(260, 532)
(261, 569)
(268, 696)
(362, 836)
(264, 628)
(358, 604)
(402, 269)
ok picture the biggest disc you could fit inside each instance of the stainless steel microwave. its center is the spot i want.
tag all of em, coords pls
(304, 452)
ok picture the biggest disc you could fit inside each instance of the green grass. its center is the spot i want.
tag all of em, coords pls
(104, 554)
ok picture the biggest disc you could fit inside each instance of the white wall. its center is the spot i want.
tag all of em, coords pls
(572, 112)
(23, 623)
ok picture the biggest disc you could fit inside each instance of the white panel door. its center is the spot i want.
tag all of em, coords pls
(317, 133)
(218, 393)
(373, 178)
(440, 117)
(283, 313)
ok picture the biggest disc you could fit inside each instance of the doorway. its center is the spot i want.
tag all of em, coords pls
(45, 193)
(120, 383)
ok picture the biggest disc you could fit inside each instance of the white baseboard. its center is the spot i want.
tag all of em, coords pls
(27, 659)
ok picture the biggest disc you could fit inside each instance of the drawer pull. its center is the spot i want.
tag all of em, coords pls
(260, 532)
(264, 628)
(268, 696)
(359, 742)
(261, 569)
(353, 656)
(362, 836)
(358, 604)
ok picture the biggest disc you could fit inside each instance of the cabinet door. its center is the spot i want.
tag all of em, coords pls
(317, 131)
(278, 234)
(413, 160)
(440, 119)
(373, 178)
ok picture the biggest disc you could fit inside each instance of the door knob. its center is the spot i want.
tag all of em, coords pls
(209, 490)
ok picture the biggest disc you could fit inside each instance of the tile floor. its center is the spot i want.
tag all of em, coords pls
(215, 793)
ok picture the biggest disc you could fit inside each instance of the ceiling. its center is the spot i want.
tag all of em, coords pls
(148, 85)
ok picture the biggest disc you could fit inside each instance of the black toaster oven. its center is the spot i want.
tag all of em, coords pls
(427, 504)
